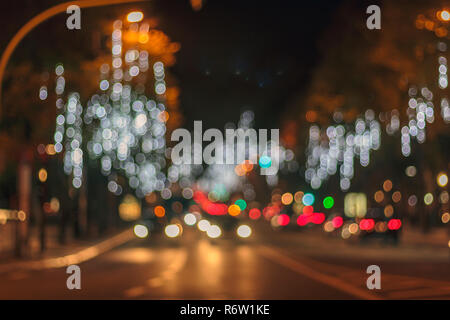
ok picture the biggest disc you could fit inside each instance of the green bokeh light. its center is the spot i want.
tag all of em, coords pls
(328, 202)
(241, 204)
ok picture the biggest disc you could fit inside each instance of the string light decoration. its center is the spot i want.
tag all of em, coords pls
(124, 122)
(336, 147)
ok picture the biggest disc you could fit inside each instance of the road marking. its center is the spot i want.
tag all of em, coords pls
(135, 292)
(390, 282)
(306, 271)
(177, 263)
(393, 286)
(88, 253)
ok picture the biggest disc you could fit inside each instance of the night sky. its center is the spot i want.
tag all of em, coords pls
(239, 55)
(235, 55)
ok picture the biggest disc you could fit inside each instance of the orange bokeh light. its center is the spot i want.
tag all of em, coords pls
(240, 170)
(234, 210)
(143, 37)
(160, 211)
(287, 198)
(247, 166)
(163, 116)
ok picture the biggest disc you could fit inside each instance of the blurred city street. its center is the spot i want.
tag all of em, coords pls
(208, 149)
(286, 266)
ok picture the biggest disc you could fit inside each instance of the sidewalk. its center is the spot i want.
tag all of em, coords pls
(78, 251)
(438, 237)
(413, 246)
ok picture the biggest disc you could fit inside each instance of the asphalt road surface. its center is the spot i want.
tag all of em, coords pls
(279, 266)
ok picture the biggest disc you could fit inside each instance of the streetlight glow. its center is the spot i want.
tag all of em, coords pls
(442, 179)
(135, 16)
(444, 15)
(42, 175)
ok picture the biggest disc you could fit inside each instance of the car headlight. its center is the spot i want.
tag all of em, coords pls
(140, 231)
(203, 225)
(244, 231)
(172, 230)
(190, 219)
(214, 231)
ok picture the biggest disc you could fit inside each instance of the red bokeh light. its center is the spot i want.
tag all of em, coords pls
(394, 224)
(317, 218)
(302, 220)
(215, 209)
(254, 213)
(270, 211)
(337, 222)
(283, 219)
(366, 224)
